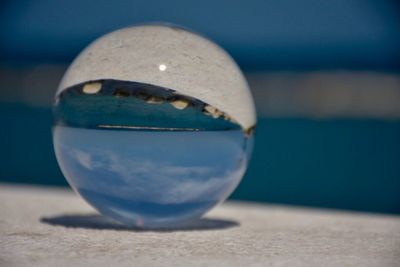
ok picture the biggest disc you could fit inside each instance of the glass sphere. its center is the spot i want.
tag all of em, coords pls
(153, 125)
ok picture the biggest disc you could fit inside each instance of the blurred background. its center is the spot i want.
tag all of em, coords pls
(324, 74)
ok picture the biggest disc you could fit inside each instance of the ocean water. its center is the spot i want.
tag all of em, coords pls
(351, 164)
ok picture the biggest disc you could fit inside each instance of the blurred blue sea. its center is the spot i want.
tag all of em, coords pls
(337, 61)
(335, 163)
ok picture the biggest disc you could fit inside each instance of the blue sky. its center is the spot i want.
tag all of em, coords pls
(260, 34)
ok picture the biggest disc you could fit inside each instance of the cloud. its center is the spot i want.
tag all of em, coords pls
(142, 179)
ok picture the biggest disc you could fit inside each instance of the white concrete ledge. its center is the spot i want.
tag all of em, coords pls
(53, 227)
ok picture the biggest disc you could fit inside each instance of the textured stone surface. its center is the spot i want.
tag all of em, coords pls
(169, 57)
(54, 227)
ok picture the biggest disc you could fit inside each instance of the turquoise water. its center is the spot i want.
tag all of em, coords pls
(351, 164)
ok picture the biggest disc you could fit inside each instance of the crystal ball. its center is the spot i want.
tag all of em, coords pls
(153, 125)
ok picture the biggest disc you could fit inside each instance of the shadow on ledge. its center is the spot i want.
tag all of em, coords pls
(99, 222)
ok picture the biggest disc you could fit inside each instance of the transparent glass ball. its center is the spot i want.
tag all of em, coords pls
(153, 125)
